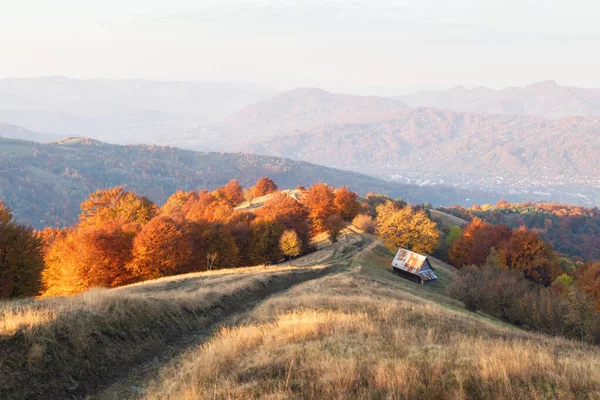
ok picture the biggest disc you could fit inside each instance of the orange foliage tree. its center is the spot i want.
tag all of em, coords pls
(288, 212)
(320, 202)
(94, 255)
(346, 203)
(161, 248)
(233, 192)
(116, 203)
(525, 251)
(263, 187)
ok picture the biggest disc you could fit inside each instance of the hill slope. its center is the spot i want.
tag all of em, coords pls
(542, 99)
(345, 327)
(45, 183)
(17, 132)
(450, 145)
(305, 108)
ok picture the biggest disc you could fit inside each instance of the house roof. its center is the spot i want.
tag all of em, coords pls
(412, 262)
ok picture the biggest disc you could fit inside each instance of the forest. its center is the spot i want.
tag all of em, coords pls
(121, 238)
(573, 231)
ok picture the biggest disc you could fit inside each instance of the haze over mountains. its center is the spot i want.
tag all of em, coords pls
(540, 142)
(543, 99)
(120, 111)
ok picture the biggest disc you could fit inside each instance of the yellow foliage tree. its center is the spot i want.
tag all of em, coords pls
(407, 228)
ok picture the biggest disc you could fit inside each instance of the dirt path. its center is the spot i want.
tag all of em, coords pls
(131, 383)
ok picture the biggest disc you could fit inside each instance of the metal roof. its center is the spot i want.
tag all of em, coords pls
(409, 261)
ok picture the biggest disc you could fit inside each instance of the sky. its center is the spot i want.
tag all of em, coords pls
(367, 47)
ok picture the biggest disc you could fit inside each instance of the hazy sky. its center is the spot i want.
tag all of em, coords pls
(382, 47)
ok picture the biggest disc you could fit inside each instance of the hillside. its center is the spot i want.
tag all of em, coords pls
(520, 153)
(17, 132)
(45, 183)
(306, 108)
(542, 99)
(337, 323)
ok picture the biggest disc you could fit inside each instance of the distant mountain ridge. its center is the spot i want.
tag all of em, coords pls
(303, 108)
(543, 99)
(434, 140)
(120, 110)
(45, 183)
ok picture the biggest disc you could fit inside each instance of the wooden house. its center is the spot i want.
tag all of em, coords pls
(414, 267)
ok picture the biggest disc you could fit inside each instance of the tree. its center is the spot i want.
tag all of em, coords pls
(288, 212)
(210, 260)
(263, 187)
(455, 233)
(290, 244)
(162, 248)
(525, 251)
(174, 205)
(407, 228)
(89, 255)
(364, 222)
(21, 260)
(346, 203)
(333, 226)
(116, 203)
(264, 247)
(319, 200)
(588, 280)
(233, 192)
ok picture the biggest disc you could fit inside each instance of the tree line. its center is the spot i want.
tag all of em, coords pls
(121, 237)
(516, 276)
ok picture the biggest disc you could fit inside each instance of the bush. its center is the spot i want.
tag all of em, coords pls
(364, 222)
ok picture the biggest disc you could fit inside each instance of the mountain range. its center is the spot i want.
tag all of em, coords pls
(540, 141)
(542, 99)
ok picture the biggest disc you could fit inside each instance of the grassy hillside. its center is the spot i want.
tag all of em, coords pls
(339, 324)
(45, 183)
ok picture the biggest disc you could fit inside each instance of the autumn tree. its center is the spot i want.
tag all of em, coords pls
(116, 203)
(234, 192)
(88, 256)
(174, 205)
(333, 226)
(21, 260)
(288, 212)
(290, 244)
(161, 248)
(263, 187)
(346, 203)
(404, 227)
(364, 222)
(588, 279)
(320, 202)
(207, 239)
(525, 251)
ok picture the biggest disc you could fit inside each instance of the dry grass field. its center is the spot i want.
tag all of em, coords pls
(336, 325)
(345, 336)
